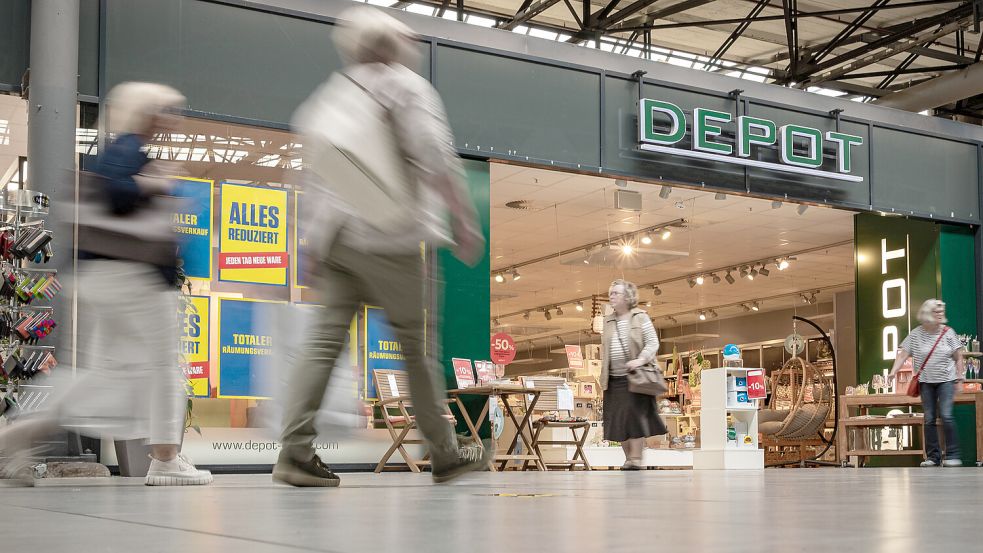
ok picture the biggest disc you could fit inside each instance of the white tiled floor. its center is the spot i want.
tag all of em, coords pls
(866, 510)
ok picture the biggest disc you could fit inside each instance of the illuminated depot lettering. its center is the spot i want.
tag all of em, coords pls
(663, 124)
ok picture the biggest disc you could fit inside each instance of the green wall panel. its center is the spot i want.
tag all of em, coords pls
(467, 296)
(957, 254)
(930, 176)
(508, 106)
(15, 41)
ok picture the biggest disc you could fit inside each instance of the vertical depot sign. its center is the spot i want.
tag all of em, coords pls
(897, 269)
(253, 245)
(663, 125)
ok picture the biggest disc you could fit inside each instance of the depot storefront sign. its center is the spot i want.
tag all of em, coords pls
(663, 125)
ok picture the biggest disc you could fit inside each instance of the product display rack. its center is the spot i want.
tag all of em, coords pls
(23, 324)
(717, 416)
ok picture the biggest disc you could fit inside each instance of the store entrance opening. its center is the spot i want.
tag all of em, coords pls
(712, 269)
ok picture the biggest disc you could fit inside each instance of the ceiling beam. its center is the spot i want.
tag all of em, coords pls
(531, 10)
(719, 53)
(847, 31)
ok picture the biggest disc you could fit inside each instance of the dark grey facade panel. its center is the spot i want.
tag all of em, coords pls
(89, 47)
(925, 177)
(230, 61)
(518, 108)
(622, 155)
(15, 40)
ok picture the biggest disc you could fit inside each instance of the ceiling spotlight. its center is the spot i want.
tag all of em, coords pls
(627, 249)
(716, 278)
(496, 322)
(812, 298)
(699, 280)
(671, 319)
(703, 315)
(525, 315)
(755, 306)
(753, 273)
(665, 192)
(647, 239)
(713, 314)
(666, 233)
(580, 306)
(657, 291)
(720, 196)
(547, 314)
(515, 275)
(744, 272)
(691, 281)
(746, 307)
(782, 264)
(559, 311)
(763, 271)
(679, 205)
(801, 209)
(805, 298)
(729, 278)
(776, 204)
(499, 278)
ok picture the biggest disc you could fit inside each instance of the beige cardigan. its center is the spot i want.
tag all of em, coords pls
(636, 342)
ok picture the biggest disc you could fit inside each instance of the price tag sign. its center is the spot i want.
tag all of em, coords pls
(575, 357)
(756, 384)
(502, 349)
(463, 372)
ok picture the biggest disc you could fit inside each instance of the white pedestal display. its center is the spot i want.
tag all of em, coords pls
(716, 450)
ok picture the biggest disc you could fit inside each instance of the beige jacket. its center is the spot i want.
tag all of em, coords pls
(636, 342)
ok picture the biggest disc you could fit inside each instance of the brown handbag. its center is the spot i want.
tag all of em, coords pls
(646, 380)
(914, 387)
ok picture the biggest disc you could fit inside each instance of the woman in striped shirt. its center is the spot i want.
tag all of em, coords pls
(941, 369)
(629, 342)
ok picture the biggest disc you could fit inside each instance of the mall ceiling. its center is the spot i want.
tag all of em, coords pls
(865, 50)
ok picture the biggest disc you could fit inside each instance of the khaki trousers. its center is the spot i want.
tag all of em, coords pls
(398, 284)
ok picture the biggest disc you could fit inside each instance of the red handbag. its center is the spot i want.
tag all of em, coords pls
(914, 387)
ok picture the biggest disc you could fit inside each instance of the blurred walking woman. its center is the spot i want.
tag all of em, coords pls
(130, 384)
(629, 342)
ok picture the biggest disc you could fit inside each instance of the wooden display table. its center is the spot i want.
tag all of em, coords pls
(864, 403)
(523, 426)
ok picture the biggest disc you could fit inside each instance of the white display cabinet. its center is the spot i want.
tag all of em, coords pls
(720, 397)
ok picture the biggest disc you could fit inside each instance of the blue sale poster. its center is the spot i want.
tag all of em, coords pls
(382, 349)
(247, 329)
(193, 225)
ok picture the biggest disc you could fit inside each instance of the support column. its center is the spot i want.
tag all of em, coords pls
(51, 122)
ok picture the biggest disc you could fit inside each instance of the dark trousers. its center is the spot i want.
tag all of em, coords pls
(937, 402)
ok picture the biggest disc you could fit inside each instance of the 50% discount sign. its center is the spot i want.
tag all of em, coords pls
(502, 349)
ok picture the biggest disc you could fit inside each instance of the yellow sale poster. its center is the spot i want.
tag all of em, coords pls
(253, 245)
(195, 345)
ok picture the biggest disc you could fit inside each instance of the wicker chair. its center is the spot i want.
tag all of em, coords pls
(801, 401)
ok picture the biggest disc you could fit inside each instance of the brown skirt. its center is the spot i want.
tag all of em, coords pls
(628, 415)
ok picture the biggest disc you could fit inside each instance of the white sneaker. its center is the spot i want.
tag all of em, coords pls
(929, 463)
(952, 463)
(179, 471)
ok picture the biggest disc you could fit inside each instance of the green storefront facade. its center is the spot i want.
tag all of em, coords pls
(523, 100)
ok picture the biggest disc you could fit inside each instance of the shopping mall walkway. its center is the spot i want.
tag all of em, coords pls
(869, 510)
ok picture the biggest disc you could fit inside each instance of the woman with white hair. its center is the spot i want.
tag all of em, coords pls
(629, 342)
(130, 384)
(937, 354)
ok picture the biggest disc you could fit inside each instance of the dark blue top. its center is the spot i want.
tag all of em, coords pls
(122, 159)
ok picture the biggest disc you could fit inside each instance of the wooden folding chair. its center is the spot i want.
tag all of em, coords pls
(396, 408)
(548, 403)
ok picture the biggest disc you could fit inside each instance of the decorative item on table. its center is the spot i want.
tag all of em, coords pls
(878, 382)
(863, 389)
(697, 362)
